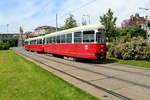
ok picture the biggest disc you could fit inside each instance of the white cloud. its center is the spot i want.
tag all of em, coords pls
(121, 8)
(32, 14)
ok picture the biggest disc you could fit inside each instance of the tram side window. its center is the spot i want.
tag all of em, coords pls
(77, 37)
(88, 36)
(63, 38)
(55, 40)
(100, 36)
(43, 41)
(26, 42)
(40, 41)
(50, 40)
(33, 42)
(69, 38)
(58, 39)
(47, 40)
(30, 42)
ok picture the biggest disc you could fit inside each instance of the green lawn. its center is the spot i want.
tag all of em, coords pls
(145, 64)
(20, 79)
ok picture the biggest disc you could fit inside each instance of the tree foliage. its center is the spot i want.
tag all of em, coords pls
(134, 31)
(84, 22)
(4, 46)
(69, 23)
(109, 21)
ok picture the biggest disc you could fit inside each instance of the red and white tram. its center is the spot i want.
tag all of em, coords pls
(35, 44)
(80, 42)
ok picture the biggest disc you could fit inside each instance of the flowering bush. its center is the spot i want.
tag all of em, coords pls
(126, 48)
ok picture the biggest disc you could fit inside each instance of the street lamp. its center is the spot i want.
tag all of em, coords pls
(7, 28)
(88, 17)
(146, 9)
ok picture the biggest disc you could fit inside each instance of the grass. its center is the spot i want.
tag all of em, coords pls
(20, 79)
(139, 63)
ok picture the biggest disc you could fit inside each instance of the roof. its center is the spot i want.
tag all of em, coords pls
(76, 29)
(46, 27)
(39, 37)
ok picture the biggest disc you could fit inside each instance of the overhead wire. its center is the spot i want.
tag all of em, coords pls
(68, 13)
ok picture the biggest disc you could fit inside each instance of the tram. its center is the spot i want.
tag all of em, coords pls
(35, 44)
(87, 42)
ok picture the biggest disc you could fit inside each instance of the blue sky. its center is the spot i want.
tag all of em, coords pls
(33, 13)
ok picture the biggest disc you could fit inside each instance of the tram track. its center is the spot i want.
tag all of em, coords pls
(120, 96)
(116, 69)
(98, 73)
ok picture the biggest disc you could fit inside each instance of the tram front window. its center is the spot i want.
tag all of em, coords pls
(100, 36)
(88, 36)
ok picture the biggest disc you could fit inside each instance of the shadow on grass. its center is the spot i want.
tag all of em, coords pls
(109, 60)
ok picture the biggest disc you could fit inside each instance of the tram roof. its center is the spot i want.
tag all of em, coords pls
(39, 37)
(76, 29)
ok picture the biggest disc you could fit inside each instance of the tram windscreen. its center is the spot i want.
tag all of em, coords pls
(88, 36)
(100, 36)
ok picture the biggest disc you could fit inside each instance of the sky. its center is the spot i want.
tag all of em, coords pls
(30, 14)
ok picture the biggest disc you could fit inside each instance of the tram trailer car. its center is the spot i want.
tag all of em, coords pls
(34, 44)
(81, 42)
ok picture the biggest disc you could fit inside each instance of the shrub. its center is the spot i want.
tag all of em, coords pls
(126, 48)
(4, 46)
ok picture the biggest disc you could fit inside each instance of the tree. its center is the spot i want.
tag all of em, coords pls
(84, 23)
(134, 31)
(69, 23)
(109, 21)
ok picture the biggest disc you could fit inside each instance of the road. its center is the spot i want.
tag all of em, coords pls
(106, 81)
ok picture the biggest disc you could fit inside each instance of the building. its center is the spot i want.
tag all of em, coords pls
(29, 34)
(42, 30)
(39, 31)
(137, 19)
(12, 39)
(133, 20)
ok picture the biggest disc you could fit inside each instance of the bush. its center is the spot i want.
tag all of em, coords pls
(126, 48)
(4, 46)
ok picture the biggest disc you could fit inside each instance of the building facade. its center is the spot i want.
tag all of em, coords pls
(134, 20)
(137, 19)
(12, 39)
(39, 31)
(42, 30)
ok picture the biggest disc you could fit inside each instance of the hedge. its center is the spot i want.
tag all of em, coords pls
(126, 48)
(4, 46)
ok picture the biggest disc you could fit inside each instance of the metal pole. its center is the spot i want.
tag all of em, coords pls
(146, 9)
(88, 17)
(7, 27)
(56, 22)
